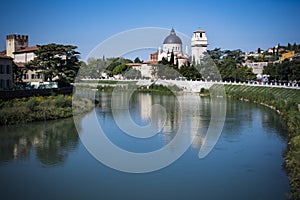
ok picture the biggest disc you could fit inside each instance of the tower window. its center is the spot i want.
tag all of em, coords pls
(201, 35)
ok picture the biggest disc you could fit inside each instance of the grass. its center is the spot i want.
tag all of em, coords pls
(286, 102)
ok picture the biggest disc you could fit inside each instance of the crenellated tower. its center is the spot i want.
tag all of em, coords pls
(15, 42)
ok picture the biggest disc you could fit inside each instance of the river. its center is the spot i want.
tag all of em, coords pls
(47, 160)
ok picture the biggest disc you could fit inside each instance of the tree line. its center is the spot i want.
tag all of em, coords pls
(285, 71)
(61, 63)
(54, 62)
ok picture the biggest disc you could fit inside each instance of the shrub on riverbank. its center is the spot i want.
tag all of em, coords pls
(35, 109)
(160, 88)
(286, 102)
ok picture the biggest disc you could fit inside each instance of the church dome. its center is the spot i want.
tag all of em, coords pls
(172, 38)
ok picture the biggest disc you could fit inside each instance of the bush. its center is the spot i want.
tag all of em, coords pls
(31, 103)
(63, 102)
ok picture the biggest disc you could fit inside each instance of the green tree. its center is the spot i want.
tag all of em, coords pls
(215, 54)
(172, 58)
(164, 61)
(190, 73)
(289, 46)
(258, 50)
(133, 74)
(56, 61)
(18, 73)
(120, 69)
(137, 60)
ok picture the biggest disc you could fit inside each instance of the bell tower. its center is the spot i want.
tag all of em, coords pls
(199, 45)
(14, 43)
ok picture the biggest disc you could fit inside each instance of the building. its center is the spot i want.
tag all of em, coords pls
(172, 44)
(199, 45)
(145, 68)
(257, 67)
(17, 48)
(288, 55)
(15, 42)
(24, 55)
(6, 72)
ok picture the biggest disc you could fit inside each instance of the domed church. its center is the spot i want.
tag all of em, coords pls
(173, 44)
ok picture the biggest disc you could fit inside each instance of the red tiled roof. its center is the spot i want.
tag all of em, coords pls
(155, 53)
(151, 62)
(5, 57)
(182, 57)
(199, 31)
(134, 64)
(27, 49)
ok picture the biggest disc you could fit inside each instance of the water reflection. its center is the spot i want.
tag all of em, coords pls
(192, 121)
(51, 141)
(245, 163)
(241, 115)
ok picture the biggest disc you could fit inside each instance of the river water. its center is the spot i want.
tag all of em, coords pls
(47, 160)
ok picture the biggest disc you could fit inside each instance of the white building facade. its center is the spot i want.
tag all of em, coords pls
(199, 45)
(173, 44)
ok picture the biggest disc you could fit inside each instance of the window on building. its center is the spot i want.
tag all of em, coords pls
(2, 84)
(8, 85)
(32, 76)
(201, 35)
(8, 69)
(25, 76)
(1, 69)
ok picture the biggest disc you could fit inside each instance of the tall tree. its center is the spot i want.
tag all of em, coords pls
(137, 60)
(18, 73)
(215, 54)
(289, 46)
(56, 62)
(172, 58)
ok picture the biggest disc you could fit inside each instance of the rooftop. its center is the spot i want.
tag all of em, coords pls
(5, 57)
(199, 31)
(151, 62)
(134, 64)
(172, 38)
(27, 49)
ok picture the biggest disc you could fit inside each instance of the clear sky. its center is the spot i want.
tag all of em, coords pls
(230, 24)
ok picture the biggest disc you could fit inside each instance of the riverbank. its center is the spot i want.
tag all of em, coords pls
(286, 102)
(40, 108)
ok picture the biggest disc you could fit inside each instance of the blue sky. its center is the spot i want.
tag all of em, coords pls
(230, 24)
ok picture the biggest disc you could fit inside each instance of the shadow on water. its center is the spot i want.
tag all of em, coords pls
(51, 141)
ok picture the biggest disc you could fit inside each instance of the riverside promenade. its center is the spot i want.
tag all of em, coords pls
(185, 85)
